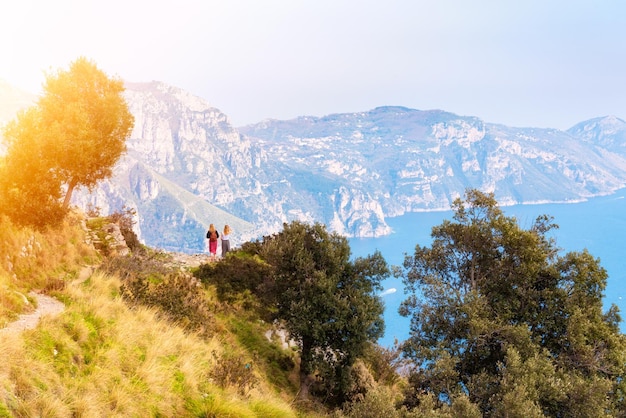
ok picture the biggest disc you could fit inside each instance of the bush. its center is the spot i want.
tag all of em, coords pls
(177, 295)
(376, 403)
(232, 370)
(146, 280)
(148, 266)
(384, 363)
(235, 275)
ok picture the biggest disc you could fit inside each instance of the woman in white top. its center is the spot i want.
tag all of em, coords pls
(225, 240)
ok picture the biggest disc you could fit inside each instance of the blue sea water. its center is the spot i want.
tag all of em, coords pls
(599, 225)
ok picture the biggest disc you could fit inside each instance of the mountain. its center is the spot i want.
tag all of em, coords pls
(187, 167)
(409, 160)
(608, 132)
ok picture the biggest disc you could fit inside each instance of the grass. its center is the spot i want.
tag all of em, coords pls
(101, 358)
(38, 260)
(277, 363)
(104, 357)
(110, 355)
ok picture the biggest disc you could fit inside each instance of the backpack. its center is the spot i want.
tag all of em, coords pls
(212, 236)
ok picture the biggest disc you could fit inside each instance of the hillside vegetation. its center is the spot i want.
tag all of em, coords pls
(145, 334)
(503, 323)
(141, 336)
(142, 333)
(105, 357)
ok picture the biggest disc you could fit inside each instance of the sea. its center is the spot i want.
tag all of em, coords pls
(598, 225)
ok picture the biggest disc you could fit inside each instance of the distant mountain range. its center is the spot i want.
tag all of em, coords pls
(187, 166)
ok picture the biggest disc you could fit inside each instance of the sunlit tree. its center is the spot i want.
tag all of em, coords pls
(30, 191)
(86, 121)
(72, 137)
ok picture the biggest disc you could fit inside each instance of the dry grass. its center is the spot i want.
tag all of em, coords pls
(34, 260)
(101, 358)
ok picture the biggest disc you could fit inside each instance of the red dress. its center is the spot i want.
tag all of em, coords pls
(213, 242)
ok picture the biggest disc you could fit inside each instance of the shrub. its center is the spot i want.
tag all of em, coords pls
(231, 370)
(146, 280)
(177, 296)
(236, 274)
(148, 266)
(375, 403)
(384, 363)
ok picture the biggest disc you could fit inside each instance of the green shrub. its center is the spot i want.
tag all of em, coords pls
(177, 295)
(235, 275)
(375, 403)
(384, 363)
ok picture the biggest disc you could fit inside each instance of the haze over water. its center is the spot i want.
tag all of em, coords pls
(598, 225)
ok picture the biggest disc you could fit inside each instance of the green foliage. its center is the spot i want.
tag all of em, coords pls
(303, 277)
(72, 137)
(384, 363)
(235, 275)
(325, 301)
(498, 316)
(375, 404)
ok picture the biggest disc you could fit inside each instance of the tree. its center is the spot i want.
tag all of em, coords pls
(499, 316)
(72, 137)
(326, 301)
(29, 189)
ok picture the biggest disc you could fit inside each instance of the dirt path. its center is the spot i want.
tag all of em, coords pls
(46, 305)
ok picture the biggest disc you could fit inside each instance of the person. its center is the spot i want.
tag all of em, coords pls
(212, 235)
(226, 240)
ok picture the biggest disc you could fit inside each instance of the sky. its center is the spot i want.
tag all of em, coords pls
(522, 63)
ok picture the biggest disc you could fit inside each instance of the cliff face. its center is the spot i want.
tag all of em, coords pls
(402, 160)
(187, 167)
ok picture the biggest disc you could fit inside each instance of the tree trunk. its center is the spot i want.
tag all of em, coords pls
(305, 385)
(68, 195)
(305, 372)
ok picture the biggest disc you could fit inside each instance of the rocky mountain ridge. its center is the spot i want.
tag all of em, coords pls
(187, 167)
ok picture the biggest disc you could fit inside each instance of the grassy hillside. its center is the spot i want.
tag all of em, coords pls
(104, 356)
(141, 336)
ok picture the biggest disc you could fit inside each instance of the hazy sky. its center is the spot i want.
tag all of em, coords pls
(547, 63)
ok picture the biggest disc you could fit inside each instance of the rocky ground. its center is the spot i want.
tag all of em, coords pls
(190, 260)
